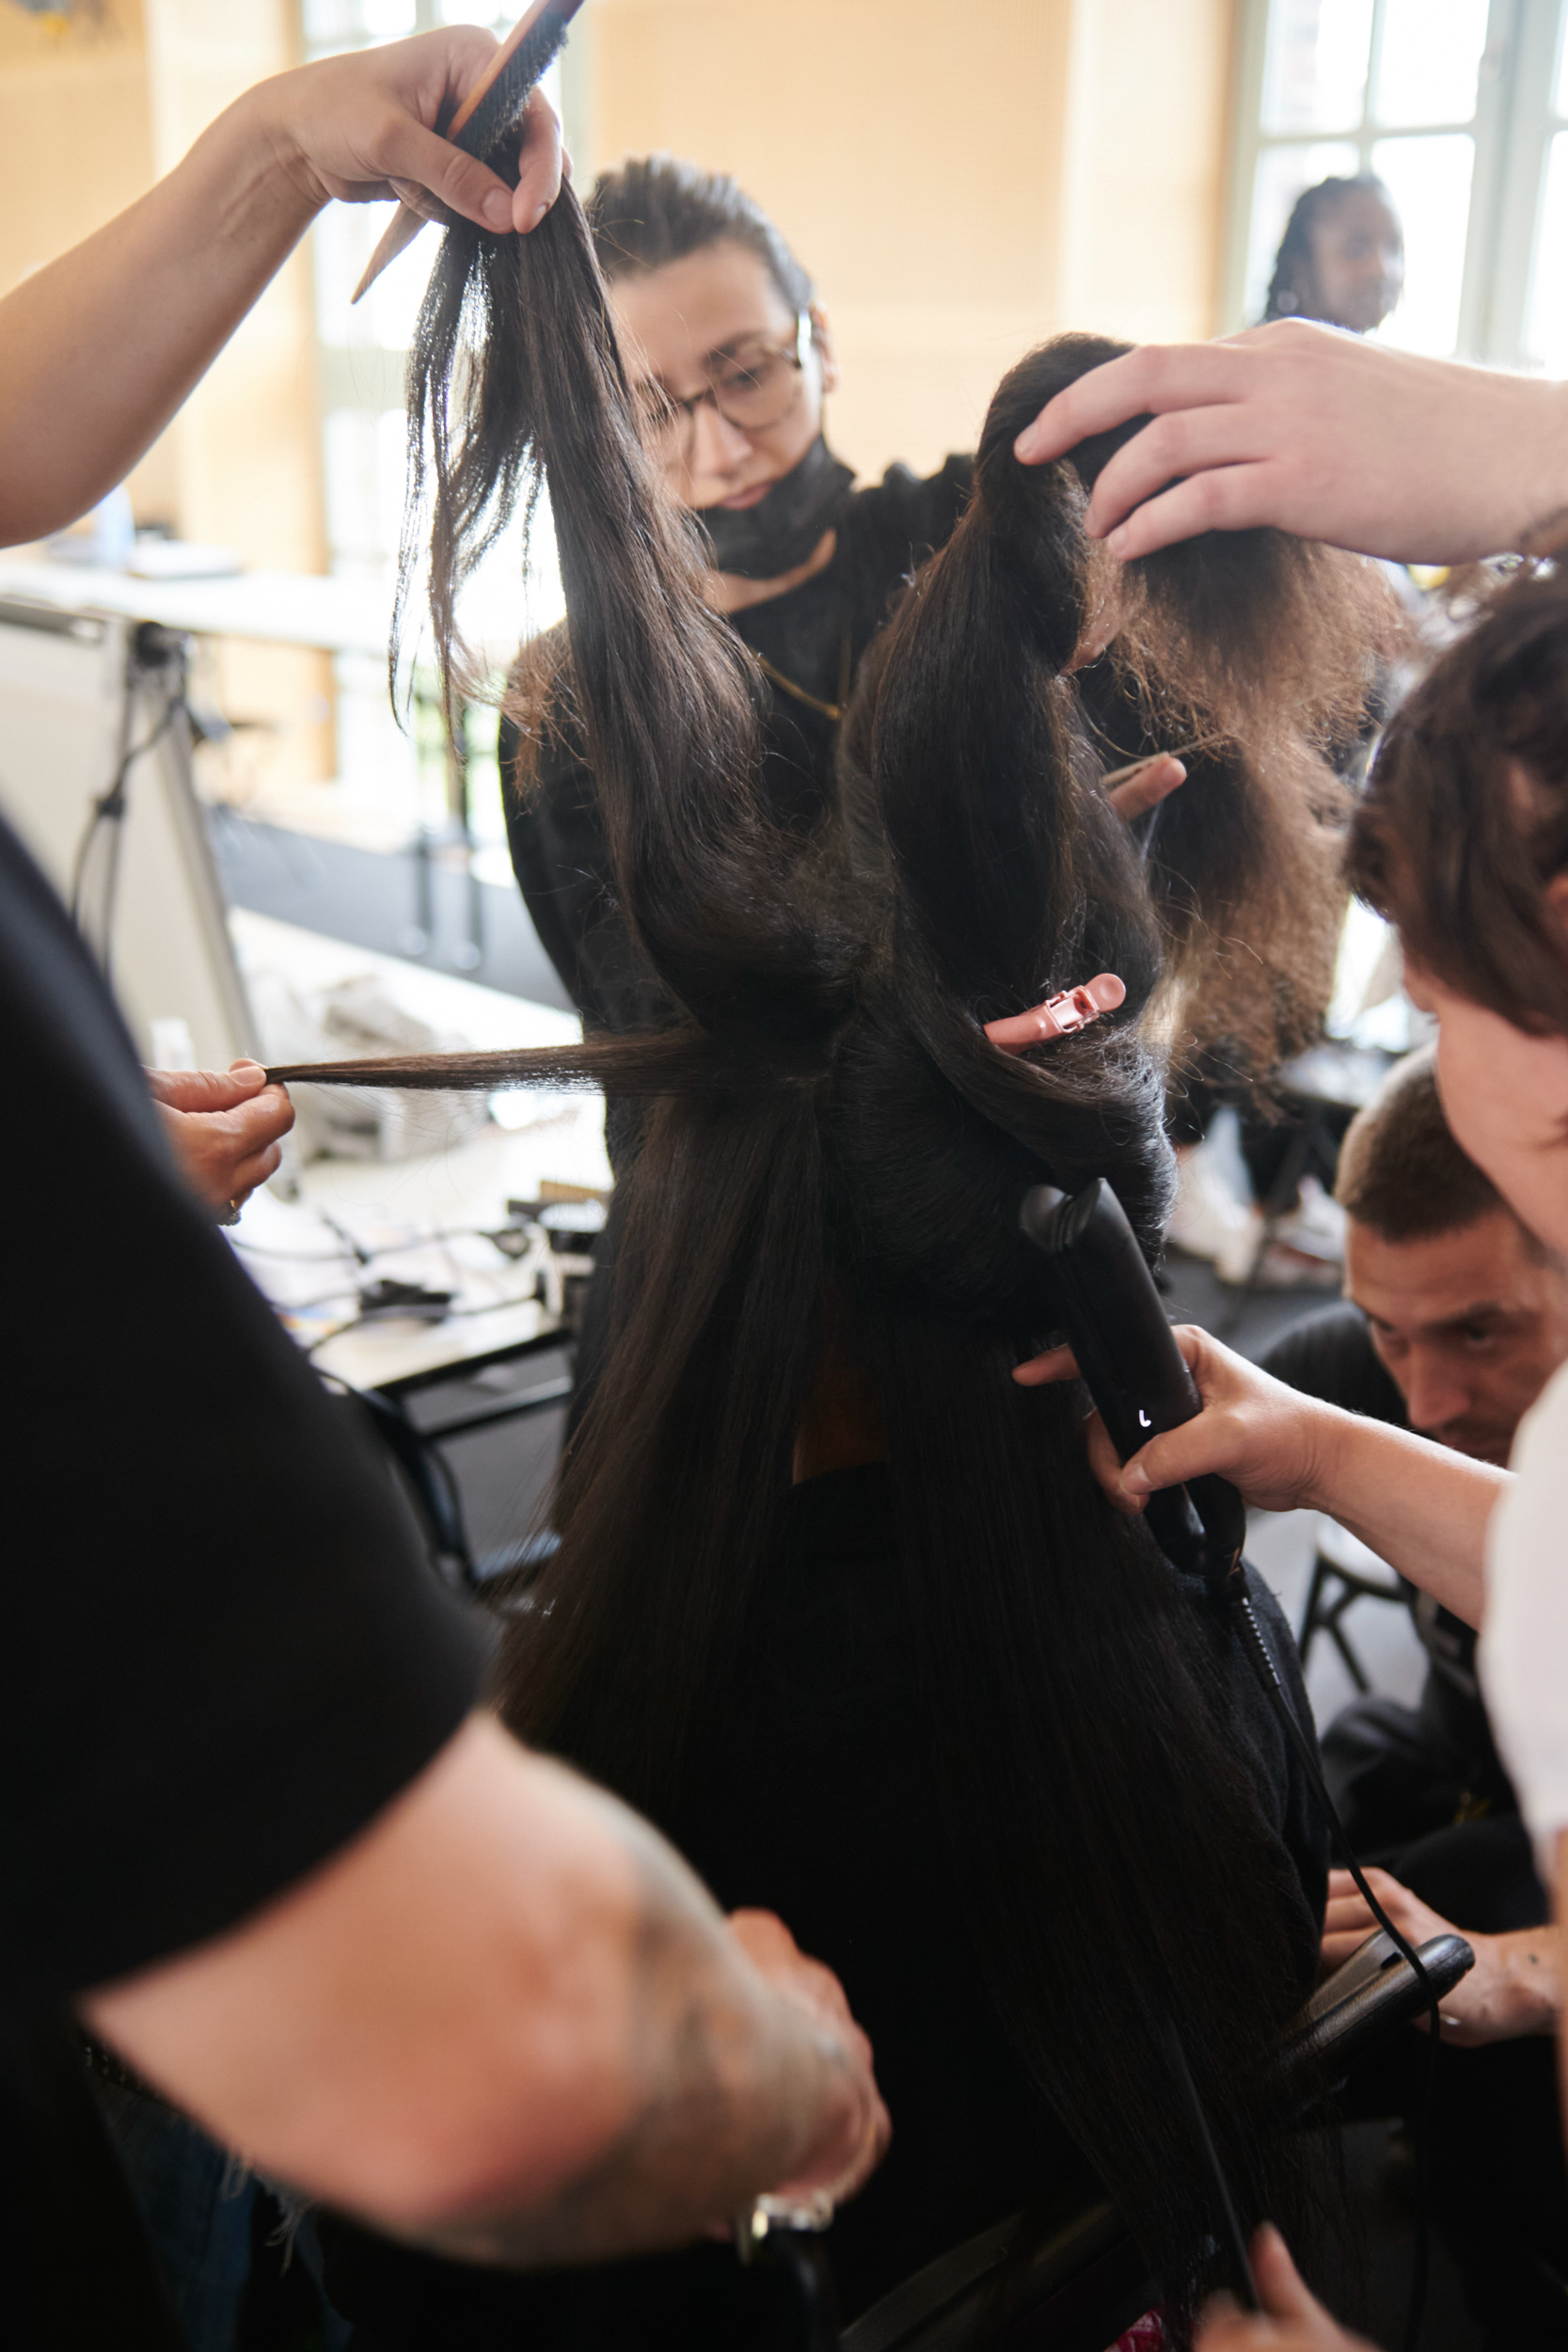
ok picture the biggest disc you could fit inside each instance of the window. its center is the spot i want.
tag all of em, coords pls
(1461, 107)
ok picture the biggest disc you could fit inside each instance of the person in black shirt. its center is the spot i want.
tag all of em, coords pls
(254, 1833)
(1455, 1320)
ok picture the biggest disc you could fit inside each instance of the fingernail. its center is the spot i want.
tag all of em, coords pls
(1023, 448)
(1134, 1479)
(247, 1069)
(538, 216)
(496, 208)
(1115, 544)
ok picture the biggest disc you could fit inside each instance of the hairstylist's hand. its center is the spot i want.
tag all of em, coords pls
(224, 1127)
(1291, 2320)
(857, 2141)
(1131, 792)
(1512, 1991)
(1257, 1433)
(363, 127)
(1319, 433)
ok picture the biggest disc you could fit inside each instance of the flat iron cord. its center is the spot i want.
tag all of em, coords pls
(1255, 1646)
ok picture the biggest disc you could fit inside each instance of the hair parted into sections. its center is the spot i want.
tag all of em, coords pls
(1248, 654)
(1295, 263)
(830, 1165)
(1401, 1172)
(1466, 816)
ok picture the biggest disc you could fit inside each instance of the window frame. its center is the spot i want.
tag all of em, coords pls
(1512, 129)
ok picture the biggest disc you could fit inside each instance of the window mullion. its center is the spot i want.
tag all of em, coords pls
(1495, 96)
(1521, 130)
(1372, 95)
(1245, 146)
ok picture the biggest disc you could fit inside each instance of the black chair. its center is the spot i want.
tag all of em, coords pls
(1344, 1572)
(1088, 2283)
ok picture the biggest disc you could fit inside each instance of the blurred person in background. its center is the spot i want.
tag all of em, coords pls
(1341, 259)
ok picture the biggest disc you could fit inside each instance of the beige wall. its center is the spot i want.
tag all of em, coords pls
(243, 460)
(961, 182)
(76, 137)
(90, 115)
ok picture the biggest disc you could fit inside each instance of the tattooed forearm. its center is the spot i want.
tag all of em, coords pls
(735, 2086)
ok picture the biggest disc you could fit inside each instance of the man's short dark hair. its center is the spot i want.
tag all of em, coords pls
(1401, 1171)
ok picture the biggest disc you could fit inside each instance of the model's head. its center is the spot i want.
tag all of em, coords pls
(1463, 841)
(1468, 1311)
(1341, 259)
(729, 352)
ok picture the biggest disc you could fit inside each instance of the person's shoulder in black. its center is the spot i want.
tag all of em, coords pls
(1330, 1355)
(907, 516)
(224, 1651)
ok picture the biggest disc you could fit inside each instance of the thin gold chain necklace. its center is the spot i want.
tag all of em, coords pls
(833, 712)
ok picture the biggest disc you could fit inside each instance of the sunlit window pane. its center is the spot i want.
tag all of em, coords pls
(1429, 180)
(1559, 96)
(345, 237)
(1315, 75)
(1283, 172)
(1430, 62)
(1546, 335)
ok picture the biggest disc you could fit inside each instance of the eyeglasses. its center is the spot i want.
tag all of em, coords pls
(753, 385)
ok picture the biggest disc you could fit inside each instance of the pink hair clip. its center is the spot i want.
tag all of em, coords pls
(1059, 1016)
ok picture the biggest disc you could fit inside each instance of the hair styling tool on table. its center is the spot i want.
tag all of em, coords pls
(488, 115)
(1138, 1377)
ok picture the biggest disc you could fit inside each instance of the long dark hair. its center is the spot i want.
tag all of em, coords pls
(830, 1168)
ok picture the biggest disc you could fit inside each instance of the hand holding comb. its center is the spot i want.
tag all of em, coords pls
(488, 115)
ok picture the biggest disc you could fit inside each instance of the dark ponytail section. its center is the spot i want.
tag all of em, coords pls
(516, 386)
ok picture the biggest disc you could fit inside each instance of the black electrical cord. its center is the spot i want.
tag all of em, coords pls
(1256, 1647)
(108, 810)
(1233, 2234)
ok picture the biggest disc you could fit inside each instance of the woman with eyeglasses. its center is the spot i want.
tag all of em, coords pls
(733, 359)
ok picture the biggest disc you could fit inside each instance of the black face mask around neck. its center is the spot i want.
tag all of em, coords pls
(781, 529)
